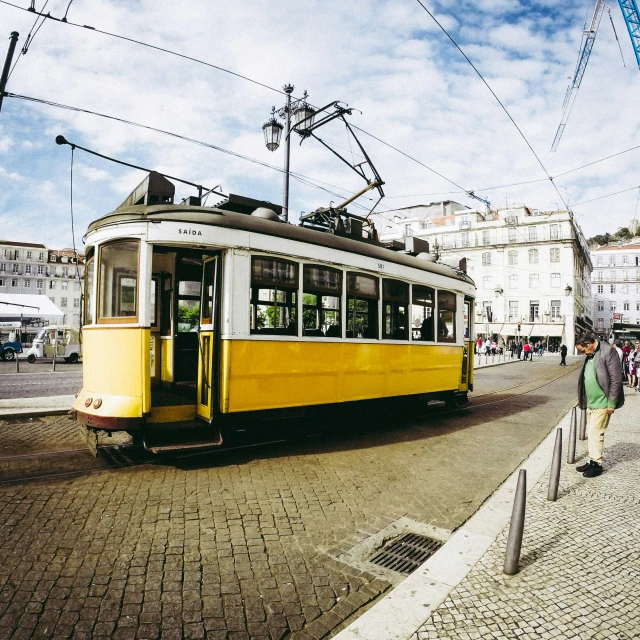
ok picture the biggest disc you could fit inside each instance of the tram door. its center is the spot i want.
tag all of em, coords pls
(207, 396)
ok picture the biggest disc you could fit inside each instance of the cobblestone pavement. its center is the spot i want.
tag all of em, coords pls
(244, 544)
(580, 565)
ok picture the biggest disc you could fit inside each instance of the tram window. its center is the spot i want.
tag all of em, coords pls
(322, 289)
(422, 313)
(89, 300)
(274, 286)
(446, 316)
(188, 305)
(395, 303)
(362, 306)
(118, 274)
(154, 304)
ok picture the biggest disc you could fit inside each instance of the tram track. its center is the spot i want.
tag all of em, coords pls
(124, 456)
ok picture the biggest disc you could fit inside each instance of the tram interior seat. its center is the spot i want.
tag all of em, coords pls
(313, 333)
(333, 331)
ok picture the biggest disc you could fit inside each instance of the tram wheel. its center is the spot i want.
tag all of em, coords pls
(31, 358)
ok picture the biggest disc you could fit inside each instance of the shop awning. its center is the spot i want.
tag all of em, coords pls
(548, 330)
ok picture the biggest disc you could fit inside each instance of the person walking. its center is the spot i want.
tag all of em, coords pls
(527, 350)
(519, 349)
(563, 355)
(600, 392)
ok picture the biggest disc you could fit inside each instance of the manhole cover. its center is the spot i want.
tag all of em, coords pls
(407, 553)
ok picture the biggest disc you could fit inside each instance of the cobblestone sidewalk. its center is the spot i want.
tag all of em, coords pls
(579, 572)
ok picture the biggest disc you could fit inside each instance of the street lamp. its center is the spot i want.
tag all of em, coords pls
(303, 115)
(498, 291)
(567, 290)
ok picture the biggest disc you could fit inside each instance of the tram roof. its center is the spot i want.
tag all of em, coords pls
(232, 220)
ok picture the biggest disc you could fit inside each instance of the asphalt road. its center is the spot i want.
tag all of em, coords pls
(38, 380)
(256, 542)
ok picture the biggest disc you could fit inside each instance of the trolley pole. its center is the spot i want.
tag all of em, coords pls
(13, 39)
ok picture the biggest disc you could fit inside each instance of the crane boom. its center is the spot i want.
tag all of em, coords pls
(632, 18)
(588, 39)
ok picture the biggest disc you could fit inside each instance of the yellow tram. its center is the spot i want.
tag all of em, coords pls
(196, 315)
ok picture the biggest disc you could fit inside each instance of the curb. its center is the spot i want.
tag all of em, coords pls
(33, 413)
(402, 612)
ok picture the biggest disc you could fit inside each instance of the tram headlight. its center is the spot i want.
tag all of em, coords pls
(97, 404)
(87, 402)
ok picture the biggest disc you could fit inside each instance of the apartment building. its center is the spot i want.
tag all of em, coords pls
(532, 268)
(615, 285)
(34, 269)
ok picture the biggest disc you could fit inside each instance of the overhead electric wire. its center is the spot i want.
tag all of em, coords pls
(29, 39)
(146, 44)
(471, 193)
(608, 195)
(496, 97)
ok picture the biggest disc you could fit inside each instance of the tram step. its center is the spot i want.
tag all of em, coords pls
(182, 440)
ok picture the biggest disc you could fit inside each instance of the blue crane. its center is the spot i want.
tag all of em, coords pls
(588, 39)
(632, 18)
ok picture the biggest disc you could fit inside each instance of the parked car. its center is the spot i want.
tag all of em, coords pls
(61, 339)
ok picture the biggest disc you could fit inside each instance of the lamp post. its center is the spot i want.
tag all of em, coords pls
(302, 112)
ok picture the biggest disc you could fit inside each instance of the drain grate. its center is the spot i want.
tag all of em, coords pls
(407, 553)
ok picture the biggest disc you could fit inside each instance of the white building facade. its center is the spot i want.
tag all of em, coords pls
(615, 285)
(33, 269)
(532, 269)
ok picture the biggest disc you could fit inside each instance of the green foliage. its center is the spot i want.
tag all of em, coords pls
(190, 315)
(602, 240)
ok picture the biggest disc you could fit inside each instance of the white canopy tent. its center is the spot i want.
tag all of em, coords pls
(30, 310)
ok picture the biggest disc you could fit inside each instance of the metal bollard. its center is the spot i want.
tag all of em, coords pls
(583, 425)
(554, 476)
(516, 528)
(571, 453)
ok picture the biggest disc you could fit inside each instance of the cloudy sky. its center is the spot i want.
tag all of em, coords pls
(408, 85)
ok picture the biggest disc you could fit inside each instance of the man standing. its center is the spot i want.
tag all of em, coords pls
(563, 355)
(600, 392)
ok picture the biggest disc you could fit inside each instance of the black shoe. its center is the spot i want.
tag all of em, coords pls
(594, 470)
(583, 467)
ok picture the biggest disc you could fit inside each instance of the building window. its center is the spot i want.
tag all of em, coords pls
(52, 299)
(64, 285)
(625, 305)
(41, 255)
(513, 311)
(321, 294)
(513, 257)
(40, 270)
(513, 235)
(600, 324)
(612, 260)
(486, 237)
(613, 305)
(637, 306)
(52, 284)
(625, 288)
(39, 284)
(76, 303)
(28, 255)
(76, 286)
(486, 259)
(553, 231)
(534, 280)
(555, 310)
(600, 305)
(600, 288)
(513, 281)
(3, 268)
(486, 282)
(625, 275)
(65, 272)
(613, 288)
(554, 255)
(533, 234)
(14, 282)
(533, 256)
(534, 310)
(600, 276)
(555, 280)
(465, 239)
(27, 284)
(15, 269)
(63, 302)
(408, 231)
(625, 260)
(599, 260)
(27, 270)
(2, 284)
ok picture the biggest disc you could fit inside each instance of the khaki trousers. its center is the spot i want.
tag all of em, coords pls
(598, 421)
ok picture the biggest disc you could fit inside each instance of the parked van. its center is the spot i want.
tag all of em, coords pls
(10, 340)
(64, 339)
